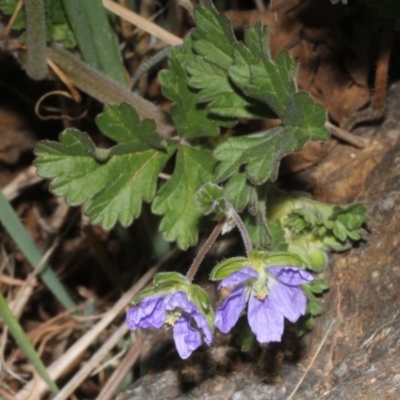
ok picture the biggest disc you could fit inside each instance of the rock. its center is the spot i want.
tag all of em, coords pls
(357, 340)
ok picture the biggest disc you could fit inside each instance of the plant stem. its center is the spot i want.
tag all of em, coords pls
(105, 90)
(242, 229)
(36, 66)
(204, 250)
(96, 40)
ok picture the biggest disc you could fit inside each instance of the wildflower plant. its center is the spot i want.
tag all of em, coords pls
(214, 79)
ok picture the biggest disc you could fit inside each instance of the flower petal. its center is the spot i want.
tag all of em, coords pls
(238, 277)
(291, 275)
(203, 325)
(265, 321)
(230, 310)
(289, 300)
(179, 300)
(187, 339)
(149, 313)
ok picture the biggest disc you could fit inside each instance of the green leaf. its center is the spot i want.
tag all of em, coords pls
(213, 41)
(213, 36)
(260, 152)
(277, 237)
(96, 39)
(314, 308)
(237, 191)
(304, 324)
(318, 286)
(176, 199)
(191, 119)
(210, 199)
(113, 182)
(246, 338)
(118, 121)
(259, 232)
(245, 54)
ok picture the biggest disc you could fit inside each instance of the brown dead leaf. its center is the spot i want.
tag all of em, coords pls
(15, 138)
(311, 154)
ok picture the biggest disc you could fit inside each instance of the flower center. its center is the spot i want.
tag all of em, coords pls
(261, 293)
(172, 317)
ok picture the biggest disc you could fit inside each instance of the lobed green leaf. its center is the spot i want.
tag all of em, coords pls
(190, 118)
(176, 199)
(113, 182)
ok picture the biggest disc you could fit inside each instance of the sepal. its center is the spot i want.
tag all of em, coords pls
(227, 267)
(165, 278)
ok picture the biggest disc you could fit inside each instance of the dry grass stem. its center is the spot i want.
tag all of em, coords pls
(142, 23)
(120, 373)
(23, 180)
(312, 360)
(92, 363)
(57, 368)
(347, 136)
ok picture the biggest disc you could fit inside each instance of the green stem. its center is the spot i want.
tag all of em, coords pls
(23, 342)
(36, 66)
(205, 249)
(21, 237)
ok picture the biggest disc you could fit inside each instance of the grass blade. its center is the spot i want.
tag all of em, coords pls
(24, 241)
(96, 39)
(23, 342)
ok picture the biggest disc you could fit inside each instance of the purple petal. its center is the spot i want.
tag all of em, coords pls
(265, 321)
(230, 310)
(291, 275)
(179, 300)
(202, 324)
(290, 301)
(149, 313)
(187, 339)
(238, 277)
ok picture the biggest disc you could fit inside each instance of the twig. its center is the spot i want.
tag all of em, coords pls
(260, 5)
(312, 360)
(120, 373)
(24, 179)
(92, 363)
(347, 136)
(142, 23)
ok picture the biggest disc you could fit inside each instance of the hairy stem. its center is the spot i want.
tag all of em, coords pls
(36, 66)
(105, 90)
(204, 250)
(242, 229)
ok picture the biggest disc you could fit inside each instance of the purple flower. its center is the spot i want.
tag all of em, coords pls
(272, 293)
(189, 324)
